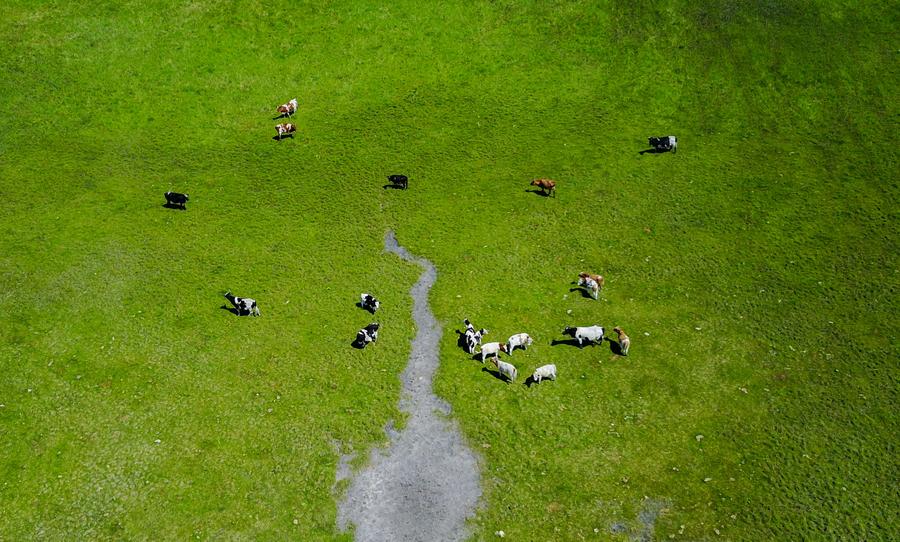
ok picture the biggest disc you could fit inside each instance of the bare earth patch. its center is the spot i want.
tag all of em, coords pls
(427, 483)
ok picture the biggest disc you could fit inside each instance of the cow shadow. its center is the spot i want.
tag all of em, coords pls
(571, 342)
(286, 136)
(652, 151)
(232, 310)
(496, 374)
(168, 205)
(282, 116)
(393, 186)
(584, 292)
(461, 341)
(358, 345)
(615, 347)
(538, 192)
(360, 305)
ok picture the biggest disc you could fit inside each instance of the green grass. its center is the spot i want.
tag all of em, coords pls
(774, 231)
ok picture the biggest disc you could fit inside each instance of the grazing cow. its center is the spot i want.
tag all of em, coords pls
(400, 181)
(366, 335)
(664, 143)
(369, 303)
(594, 283)
(174, 198)
(519, 339)
(624, 341)
(472, 337)
(285, 129)
(547, 186)
(289, 108)
(506, 369)
(243, 304)
(593, 334)
(492, 349)
(546, 371)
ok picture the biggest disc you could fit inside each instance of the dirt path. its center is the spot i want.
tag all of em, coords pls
(425, 485)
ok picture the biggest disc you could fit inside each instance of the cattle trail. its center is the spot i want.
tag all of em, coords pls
(425, 485)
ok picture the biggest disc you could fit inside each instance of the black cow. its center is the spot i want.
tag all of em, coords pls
(174, 198)
(366, 335)
(243, 305)
(664, 143)
(399, 181)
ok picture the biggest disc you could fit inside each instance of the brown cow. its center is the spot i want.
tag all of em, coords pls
(592, 282)
(547, 186)
(286, 128)
(288, 109)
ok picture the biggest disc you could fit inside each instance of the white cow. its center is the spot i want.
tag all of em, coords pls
(519, 339)
(491, 349)
(547, 371)
(592, 334)
(506, 369)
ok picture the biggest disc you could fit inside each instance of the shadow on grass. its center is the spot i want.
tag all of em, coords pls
(461, 341)
(652, 151)
(281, 116)
(530, 381)
(360, 305)
(615, 347)
(394, 186)
(584, 291)
(571, 342)
(358, 345)
(496, 374)
(168, 205)
(286, 136)
(538, 192)
(232, 310)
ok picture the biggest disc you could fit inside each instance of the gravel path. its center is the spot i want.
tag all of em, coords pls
(425, 485)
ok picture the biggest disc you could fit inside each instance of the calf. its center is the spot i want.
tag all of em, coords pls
(664, 143)
(369, 303)
(174, 198)
(547, 371)
(506, 369)
(593, 334)
(492, 349)
(285, 129)
(519, 339)
(243, 304)
(288, 109)
(366, 335)
(399, 181)
(594, 283)
(624, 341)
(547, 186)
(472, 337)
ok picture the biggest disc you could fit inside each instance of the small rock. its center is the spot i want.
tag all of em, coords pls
(157, 441)
(744, 390)
(501, 534)
(596, 530)
(485, 445)
(569, 311)
(697, 328)
(646, 334)
(699, 438)
(296, 521)
(716, 531)
(707, 479)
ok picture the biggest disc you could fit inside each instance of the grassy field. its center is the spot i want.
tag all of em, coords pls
(756, 270)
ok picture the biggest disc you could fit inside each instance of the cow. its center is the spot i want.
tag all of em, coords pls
(288, 109)
(592, 334)
(506, 369)
(548, 187)
(624, 341)
(285, 129)
(664, 143)
(593, 283)
(546, 371)
(491, 349)
(174, 198)
(243, 304)
(472, 337)
(399, 181)
(366, 335)
(369, 303)
(519, 339)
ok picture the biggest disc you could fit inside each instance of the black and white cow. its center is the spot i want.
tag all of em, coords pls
(472, 337)
(664, 143)
(174, 198)
(243, 305)
(369, 303)
(366, 335)
(399, 181)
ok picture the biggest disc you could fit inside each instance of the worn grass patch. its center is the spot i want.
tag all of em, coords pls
(755, 270)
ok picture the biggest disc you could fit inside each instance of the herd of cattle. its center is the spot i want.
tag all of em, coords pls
(471, 339)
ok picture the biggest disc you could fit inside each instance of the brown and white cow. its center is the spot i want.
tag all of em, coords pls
(624, 341)
(286, 128)
(594, 283)
(547, 186)
(289, 108)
